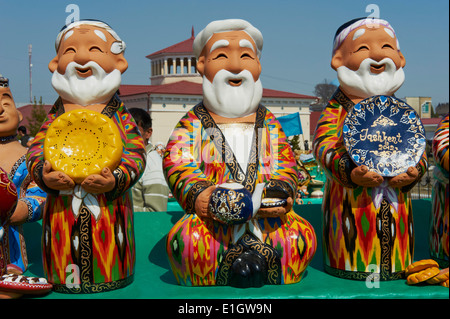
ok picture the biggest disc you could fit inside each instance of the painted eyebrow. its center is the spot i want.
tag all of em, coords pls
(358, 33)
(246, 44)
(100, 34)
(219, 44)
(389, 31)
(6, 95)
(68, 34)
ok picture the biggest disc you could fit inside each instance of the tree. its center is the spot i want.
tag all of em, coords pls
(294, 142)
(324, 91)
(440, 110)
(38, 116)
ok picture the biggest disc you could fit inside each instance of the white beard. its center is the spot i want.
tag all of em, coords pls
(97, 88)
(232, 101)
(362, 83)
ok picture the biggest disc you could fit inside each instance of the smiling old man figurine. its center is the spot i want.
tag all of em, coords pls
(226, 162)
(368, 224)
(88, 233)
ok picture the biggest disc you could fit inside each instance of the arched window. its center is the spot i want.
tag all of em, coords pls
(178, 66)
(185, 65)
(193, 65)
(170, 69)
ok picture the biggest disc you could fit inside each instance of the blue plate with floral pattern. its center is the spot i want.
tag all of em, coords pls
(385, 134)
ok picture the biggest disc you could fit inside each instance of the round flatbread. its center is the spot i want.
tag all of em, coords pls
(420, 265)
(81, 143)
(422, 275)
(442, 276)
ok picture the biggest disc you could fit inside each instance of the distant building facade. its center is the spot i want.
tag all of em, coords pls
(421, 104)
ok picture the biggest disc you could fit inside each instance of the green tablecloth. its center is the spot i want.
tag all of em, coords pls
(154, 279)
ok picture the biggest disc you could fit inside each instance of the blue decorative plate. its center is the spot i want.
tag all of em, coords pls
(385, 134)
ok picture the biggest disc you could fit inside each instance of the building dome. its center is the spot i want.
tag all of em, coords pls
(174, 63)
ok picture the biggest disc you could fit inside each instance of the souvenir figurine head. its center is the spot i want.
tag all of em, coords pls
(9, 121)
(88, 64)
(10, 117)
(228, 53)
(367, 58)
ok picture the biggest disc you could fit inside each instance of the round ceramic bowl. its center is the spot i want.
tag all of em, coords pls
(231, 203)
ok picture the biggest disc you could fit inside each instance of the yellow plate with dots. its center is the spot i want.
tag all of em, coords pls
(81, 143)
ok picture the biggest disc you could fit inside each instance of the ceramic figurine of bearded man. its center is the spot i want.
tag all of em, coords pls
(368, 224)
(88, 232)
(231, 136)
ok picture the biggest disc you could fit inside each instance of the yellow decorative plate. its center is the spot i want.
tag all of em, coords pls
(81, 143)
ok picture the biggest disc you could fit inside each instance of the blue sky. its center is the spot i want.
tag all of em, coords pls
(297, 38)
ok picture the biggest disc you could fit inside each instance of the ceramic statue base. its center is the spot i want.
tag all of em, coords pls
(360, 275)
(88, 287)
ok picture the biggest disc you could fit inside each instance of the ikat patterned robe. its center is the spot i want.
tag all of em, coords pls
(14, 238)
(98, 254)
(365, 230)
(198, 156)
(439, 232)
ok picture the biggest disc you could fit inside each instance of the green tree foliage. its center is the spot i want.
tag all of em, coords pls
(294, 142)
(324, 91)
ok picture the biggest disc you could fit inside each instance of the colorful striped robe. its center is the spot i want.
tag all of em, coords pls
(34, 197)
(80, 253)
(439, 232)
(365, 230)
(198, 156)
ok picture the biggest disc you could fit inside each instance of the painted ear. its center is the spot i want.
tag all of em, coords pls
(259, 66)
(53, 65)
(402, 59)
(20, 116)
(336, 60)
(201, 65)
(122, 63)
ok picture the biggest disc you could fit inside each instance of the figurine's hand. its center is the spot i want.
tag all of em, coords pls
(361, 176)
(56, 180)
(266, 212)
(404, 179)
(202, 201)
(99, 183)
